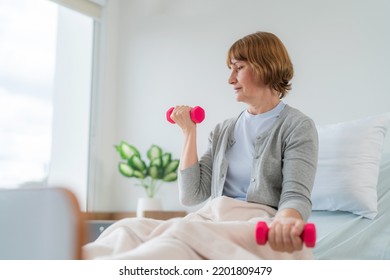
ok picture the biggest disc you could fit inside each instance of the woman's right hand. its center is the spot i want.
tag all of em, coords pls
(181, 116)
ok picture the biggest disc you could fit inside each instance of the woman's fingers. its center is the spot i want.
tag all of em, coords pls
(284, 236)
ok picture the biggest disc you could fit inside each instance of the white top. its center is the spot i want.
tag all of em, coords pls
(240, 156)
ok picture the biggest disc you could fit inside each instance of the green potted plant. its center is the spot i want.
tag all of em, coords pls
(161, 167)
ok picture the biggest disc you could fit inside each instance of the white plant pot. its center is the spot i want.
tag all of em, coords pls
(148, 204)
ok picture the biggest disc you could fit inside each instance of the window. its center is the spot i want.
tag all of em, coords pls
(45, 93)
(27, 54)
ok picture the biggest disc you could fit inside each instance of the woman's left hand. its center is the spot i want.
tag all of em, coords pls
(284, 233)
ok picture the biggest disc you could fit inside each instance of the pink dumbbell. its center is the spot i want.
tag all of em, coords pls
(308, 235)
(197, 114)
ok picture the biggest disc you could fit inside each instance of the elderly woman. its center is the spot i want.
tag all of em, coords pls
(266, 155)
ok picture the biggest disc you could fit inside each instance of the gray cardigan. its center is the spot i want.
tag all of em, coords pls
(283, 171)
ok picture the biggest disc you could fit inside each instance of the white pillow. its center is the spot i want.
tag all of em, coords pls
(348, 165)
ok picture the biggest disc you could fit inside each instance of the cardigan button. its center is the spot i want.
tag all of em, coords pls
(252, 180)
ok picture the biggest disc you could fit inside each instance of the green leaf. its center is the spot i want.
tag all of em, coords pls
(137, 163)
(172, 166)
(154, 172)
(125, 169)
(154, 152)
(139, 174)
(156, 162)
(126, 150)
(166, 159)
(170, 177)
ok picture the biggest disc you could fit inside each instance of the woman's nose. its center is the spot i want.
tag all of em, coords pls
(232, 78)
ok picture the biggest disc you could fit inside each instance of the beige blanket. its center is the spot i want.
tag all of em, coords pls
(223, 229)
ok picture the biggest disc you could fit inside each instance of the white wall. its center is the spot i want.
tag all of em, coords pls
(173, 52)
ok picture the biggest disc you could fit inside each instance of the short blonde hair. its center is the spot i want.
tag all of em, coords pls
(268, 57)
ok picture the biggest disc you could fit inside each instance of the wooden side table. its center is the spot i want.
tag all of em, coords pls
(97, 222)
(164, 215)
(114, 216)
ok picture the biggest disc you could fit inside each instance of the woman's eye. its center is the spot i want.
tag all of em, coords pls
(239, 68)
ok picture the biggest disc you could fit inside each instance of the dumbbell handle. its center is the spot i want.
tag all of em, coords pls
(197, 114)
(308, 235)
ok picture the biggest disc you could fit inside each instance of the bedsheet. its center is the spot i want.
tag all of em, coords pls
(342, 235)
(223, 229)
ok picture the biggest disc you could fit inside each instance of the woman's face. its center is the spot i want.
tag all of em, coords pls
(245, 84)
